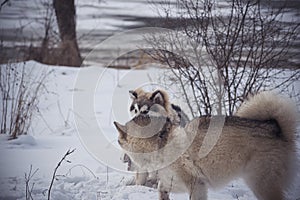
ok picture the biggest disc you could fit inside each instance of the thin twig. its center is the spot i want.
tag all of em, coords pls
(56, 168)
(28, 177)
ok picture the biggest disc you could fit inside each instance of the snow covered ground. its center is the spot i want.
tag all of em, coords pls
(55, 130)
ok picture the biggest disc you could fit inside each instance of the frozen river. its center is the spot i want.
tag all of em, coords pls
(22, 22)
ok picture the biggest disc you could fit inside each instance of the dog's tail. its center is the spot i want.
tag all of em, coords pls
(268, 106)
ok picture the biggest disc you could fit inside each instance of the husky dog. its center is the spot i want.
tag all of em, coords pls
(142, 102)
(258, 145)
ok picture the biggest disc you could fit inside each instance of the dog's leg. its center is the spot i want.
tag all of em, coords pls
(197, 189)
(266, 180)
(152, 180)
(141, 178)
(162, 193)
(264, 189)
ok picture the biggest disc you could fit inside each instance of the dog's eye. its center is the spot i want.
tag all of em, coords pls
(131, 108)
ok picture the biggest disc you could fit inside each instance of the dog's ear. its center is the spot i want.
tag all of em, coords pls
(121, 129)
(159, 97)
(133, 94)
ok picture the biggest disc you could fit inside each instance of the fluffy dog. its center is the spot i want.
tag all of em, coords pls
(258, 145)
(142, 102)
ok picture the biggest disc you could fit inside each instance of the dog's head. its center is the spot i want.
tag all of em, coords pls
(143, 132)
(142, 102)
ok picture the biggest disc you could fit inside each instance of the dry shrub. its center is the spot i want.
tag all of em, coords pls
(20, 89)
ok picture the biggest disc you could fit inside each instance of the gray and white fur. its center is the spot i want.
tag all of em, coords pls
(257, 145)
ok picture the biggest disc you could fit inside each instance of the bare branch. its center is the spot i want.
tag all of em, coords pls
(3, 3)
(230, 55)
(28, 178)
(69, 152)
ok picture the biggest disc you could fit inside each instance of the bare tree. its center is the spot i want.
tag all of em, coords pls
(66, 19)
(222, 52)
(57, 47)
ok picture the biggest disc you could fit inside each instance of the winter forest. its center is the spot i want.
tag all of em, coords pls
(73, 71)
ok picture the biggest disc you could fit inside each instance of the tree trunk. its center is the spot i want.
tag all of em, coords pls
(68, 53)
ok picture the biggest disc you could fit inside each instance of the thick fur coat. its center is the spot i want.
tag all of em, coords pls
(258, 145)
